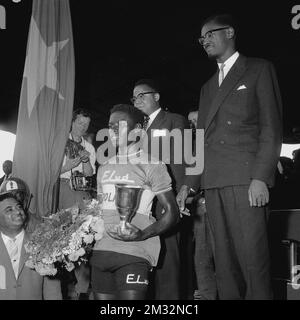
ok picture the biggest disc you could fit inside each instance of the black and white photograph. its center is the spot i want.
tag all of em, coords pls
(149, 151)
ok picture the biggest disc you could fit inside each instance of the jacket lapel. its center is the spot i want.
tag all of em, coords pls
(204, 109)
(157, 122)
(233, 76)
(5, 259)
(24, 255)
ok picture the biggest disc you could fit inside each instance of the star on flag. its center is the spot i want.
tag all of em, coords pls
(40, 56)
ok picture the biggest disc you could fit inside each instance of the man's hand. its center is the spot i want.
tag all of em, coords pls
(258, 193)
(185, 212)
(132, 233)
(84, 156)
(182, 196)
(71, 163)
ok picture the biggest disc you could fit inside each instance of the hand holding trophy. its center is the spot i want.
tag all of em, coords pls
(127, 199)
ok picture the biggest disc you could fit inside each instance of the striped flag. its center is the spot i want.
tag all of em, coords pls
(46, 101)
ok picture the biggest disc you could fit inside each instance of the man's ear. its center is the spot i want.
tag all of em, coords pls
(230, 33)
(156, 96)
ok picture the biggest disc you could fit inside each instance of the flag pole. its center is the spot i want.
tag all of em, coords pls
(46, 103)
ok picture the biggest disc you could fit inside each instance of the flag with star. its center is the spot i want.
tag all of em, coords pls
(46, 101)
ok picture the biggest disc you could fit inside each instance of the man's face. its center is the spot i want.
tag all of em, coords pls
(12, 216)
(216, 43)
(120, 126)
(7, 167)
(148, 102)
(193, 117)
(80, 125)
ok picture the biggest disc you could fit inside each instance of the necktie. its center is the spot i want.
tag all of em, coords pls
(146, 122)
(13, 254)
(221, 73)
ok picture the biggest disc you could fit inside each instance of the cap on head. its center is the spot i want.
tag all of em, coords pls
(7, 196)
(16, 188)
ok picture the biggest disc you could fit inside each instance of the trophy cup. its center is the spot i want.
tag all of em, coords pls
(127, 201)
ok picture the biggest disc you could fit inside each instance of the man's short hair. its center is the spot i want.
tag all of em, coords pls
(148, 82)
(224, 19)
(136, 115)
(9, 162)
(81, 111)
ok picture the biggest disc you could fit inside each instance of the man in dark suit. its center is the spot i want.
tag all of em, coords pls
(7, 169)
(146, 98)
(240, 111)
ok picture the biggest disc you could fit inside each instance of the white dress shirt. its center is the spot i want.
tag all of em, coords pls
(18, 242)
(152, 116)
(229, 63)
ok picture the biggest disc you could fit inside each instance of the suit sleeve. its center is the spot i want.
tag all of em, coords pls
(180, 123)
(51, 289)
(270, 123)
(193, 181)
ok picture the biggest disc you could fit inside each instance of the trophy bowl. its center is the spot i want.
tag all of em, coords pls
(127, 200)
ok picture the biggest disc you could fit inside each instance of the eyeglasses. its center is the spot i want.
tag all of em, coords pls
(140, 96)
(208, 35)
(117, 125)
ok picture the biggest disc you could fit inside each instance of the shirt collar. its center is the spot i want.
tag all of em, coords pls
(18, 238)
(71, 137)
(229, 62)
(153, 115)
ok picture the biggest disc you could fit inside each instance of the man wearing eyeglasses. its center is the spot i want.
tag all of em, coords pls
(146, 97)
(240, 111)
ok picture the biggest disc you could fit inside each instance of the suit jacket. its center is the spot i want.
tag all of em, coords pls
(2, 179)
(29, 285)
(162, 124)
(242, 124)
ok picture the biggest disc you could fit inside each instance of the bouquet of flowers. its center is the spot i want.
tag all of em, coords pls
(64, 239)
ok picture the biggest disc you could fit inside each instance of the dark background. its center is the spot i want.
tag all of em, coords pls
(118, 42)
